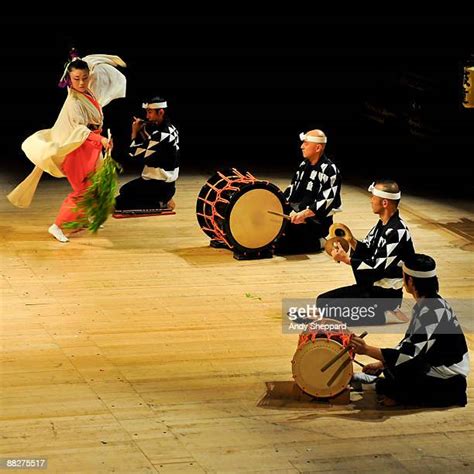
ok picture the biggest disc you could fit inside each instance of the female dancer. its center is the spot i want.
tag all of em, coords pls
(73, 146)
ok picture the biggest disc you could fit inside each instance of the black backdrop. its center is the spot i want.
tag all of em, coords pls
(387, 91)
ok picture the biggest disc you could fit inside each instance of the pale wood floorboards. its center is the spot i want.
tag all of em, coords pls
(142, 349)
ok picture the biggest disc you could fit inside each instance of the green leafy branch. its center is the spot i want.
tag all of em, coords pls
(98, 201)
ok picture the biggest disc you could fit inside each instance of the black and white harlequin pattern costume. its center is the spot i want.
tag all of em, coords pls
(377, 259)
(158, 148)
(377, 266)
(430, 364)
(316, 187)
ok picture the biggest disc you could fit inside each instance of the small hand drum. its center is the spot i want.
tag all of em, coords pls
(330, 245)
(317, 348)
(340, 230)
(338, 234)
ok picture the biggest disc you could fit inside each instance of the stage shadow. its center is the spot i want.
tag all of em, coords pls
(203, 255)
(294, 257)
(363, 406)
(207, 255)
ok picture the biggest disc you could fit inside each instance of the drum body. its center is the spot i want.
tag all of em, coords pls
(232, 209)
(315, 349)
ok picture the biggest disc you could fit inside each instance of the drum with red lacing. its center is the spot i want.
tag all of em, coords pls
(233, 210)
(316, 347)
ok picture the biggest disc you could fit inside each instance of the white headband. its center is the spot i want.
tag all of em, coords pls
(155, 105)
(310, 138)
(419, 274)
(383, 194)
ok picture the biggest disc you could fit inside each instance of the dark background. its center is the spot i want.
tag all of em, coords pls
(386, 90)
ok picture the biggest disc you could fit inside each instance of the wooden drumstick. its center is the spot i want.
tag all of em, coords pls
(338, 356)
(338, 371)
(358, 363)
(285, 216)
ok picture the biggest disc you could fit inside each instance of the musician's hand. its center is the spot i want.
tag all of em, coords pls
(293, 215)
(374, 368)
(339, 254)
(358, 344)
(137, 125)
(300, 217)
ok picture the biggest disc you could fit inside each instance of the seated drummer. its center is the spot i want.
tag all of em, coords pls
(430, 364)
(375, 262)
(313, 197)
(155, 142)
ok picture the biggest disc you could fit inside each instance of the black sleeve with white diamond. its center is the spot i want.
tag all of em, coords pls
(316, 187)
(158, 148)
(377, 260)
(434, 344)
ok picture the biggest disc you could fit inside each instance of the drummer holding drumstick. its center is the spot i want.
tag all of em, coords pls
(429, 366)
(313, 197)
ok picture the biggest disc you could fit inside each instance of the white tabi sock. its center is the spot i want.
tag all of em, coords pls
(57, 233)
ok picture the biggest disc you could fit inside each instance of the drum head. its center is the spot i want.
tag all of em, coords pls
(250, 226)
(307, 363)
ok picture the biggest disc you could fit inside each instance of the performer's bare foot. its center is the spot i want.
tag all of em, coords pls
(171, 204)
(57, 233)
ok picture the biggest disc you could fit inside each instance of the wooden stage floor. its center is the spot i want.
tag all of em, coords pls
(142, 349)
